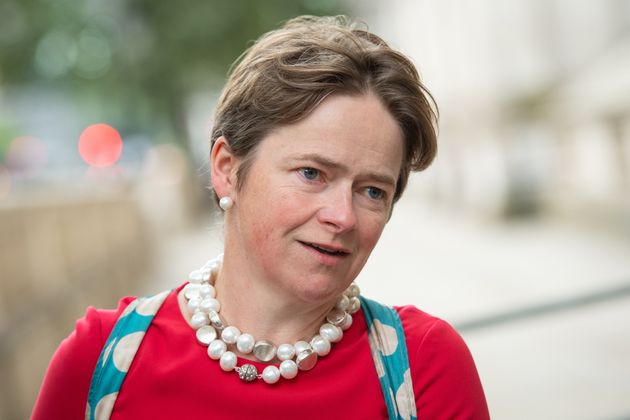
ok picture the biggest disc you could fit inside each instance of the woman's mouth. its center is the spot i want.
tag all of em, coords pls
(327, 249)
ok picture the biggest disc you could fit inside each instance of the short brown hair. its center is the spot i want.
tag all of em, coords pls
(287, 72)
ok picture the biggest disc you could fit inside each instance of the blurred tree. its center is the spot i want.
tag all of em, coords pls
(135, 61)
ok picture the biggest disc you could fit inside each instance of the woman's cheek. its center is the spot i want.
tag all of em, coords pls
(273, 218)
(372, 230)
(291, 202)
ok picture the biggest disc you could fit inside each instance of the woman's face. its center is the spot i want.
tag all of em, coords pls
(317, 197)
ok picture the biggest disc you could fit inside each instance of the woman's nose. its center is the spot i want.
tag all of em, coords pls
(337, 211)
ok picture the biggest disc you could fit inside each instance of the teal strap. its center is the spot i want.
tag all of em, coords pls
(389, 351)
(118, 353)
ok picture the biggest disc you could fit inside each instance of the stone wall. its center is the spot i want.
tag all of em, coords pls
(57, 256)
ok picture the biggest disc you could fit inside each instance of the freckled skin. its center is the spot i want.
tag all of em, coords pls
(278, 208)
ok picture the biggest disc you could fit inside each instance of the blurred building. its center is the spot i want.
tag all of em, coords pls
(535, 111)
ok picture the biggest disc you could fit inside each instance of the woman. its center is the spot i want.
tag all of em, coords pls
(315, 135)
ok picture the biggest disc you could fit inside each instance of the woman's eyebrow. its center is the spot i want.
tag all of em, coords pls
(332, 164)
(321, 160)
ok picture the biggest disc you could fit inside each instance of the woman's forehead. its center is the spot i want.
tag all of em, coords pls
(342, 131)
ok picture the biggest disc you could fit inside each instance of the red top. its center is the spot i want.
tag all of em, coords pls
(173, 377)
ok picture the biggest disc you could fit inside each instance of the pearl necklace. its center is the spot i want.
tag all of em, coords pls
(212, 331)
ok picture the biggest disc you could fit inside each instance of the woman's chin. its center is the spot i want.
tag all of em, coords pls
(318, 292)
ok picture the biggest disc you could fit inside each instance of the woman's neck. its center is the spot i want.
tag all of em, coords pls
(255, 306)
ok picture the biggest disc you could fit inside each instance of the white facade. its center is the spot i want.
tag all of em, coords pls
(534, 99)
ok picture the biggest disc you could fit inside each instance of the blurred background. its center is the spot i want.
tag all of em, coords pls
(519, 234)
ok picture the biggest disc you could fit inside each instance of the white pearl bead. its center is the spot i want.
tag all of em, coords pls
(206, 290)
(245, 343)
(228, 361)
(346, 323)
(212, 265)
(197, 276)
(285, 352)
(339, 337)
(193, 304)
(352, 290)
(199, 319)
(191, 291)
(271, 374)
(300, 346)
(320, 345)
(288, 369)
(230, 334)
(343, 302)
(354, 306)
(216, 349)
(330, 332)
(209, 304)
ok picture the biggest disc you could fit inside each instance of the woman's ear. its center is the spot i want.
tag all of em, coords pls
(223, 168)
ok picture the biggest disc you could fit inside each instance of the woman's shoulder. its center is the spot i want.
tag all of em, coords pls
(429, 337)
(97, 323)
(419, 325)
(443, 371)
(73, 363)
(91, 331)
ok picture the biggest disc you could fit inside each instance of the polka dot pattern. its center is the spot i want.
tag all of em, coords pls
(118, 353)
(389, 351)
(105, 406)
(378, 363)
(387, 340)
(150, 306)
(391, 396)
(107, 351)
(125, 350)
(130, 308)
(406, 400)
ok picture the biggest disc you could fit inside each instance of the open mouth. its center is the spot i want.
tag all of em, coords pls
(324, 250)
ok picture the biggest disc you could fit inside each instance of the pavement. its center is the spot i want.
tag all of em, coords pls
(543, 305)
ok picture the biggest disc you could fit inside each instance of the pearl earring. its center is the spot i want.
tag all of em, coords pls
(226, 203)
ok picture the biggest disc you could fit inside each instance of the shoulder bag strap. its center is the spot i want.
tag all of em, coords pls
(118, 353)
(389, 351)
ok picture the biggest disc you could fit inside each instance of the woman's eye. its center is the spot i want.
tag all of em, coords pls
(375, 193)
(310, 173)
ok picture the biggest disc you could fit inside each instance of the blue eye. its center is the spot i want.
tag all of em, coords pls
(310, 173)
(375, 193)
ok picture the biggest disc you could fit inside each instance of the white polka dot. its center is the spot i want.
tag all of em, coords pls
(150, 306)
(391, 396)
(378, 363)
(405, 399)
(87, 411)
(108, 349)
(105, 406)
(126, 349)
(387, 338)
(129, 308)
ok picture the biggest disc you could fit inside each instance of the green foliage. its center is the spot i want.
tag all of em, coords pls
(134, 61)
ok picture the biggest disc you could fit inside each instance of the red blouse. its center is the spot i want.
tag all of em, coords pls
(172, 376)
